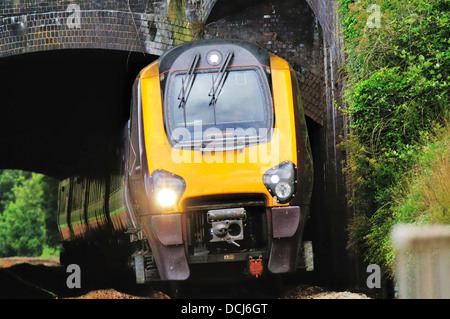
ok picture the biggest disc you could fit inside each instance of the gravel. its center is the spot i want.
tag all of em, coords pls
(314, 292)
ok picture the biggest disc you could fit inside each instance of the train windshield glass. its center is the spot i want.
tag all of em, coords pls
(240, 107)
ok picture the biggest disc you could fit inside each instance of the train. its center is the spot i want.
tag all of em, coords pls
(212, 169)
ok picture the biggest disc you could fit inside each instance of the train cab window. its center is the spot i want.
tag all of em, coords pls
(240, 108)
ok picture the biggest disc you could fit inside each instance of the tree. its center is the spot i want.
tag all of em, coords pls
(22, 223)
(8, 178)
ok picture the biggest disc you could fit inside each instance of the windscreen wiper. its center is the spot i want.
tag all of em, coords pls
(186, 85)
(218, 82)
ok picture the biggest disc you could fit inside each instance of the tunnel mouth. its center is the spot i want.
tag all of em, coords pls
(224, 8)
(63, 110)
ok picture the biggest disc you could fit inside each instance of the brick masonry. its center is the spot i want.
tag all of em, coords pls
(288, 28)
(140, 25)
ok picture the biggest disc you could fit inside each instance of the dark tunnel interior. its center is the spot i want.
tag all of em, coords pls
(62, 111)
(223, 8)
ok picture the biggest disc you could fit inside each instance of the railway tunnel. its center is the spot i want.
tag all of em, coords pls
(61, 110)
(67, 68)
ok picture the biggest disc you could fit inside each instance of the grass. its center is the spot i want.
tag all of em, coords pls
(428, 189)
(422, 199)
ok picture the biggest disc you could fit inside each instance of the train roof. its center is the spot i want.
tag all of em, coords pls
(244, 53)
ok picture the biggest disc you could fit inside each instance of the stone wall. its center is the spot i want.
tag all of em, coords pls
(139, 25)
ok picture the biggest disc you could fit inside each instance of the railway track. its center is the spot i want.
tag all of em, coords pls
(30, 278)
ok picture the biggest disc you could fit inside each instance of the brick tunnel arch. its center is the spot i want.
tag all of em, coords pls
(145, 26)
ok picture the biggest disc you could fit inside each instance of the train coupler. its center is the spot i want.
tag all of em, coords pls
(255, 266)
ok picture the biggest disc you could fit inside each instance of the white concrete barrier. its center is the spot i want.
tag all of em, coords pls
(422, 265)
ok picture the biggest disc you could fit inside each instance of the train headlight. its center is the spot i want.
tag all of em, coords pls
(283, 191)
(280, 181)
(166, 197)
(167, 187)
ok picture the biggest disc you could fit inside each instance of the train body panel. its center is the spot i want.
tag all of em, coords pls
(94, 207)
(96, 211)
(215, 166)
(63, 209)
(77, 208)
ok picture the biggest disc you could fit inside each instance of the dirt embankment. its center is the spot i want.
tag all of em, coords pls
(29, 278)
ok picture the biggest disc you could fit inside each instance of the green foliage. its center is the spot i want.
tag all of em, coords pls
(8, 179)
(398, 79)
(28, 203)
(427, 199)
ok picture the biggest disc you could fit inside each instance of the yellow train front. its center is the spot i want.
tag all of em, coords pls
(213, 168)
(218, 165)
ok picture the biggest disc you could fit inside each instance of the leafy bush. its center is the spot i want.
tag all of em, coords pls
(398, 77)
(28, 214)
